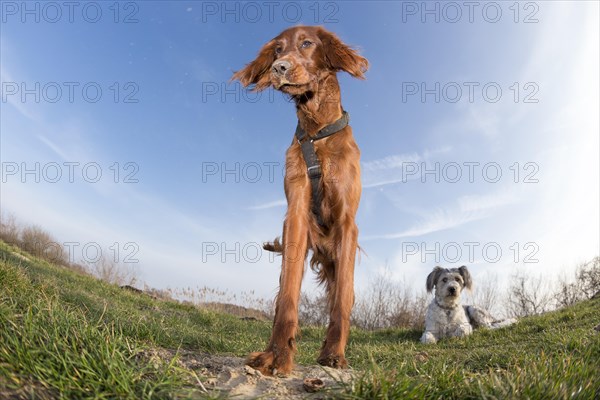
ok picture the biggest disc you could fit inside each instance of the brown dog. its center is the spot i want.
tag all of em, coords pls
(302, 62)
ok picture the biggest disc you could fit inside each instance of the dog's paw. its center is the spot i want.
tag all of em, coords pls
(462, 330)
(269, 364)
(428, 338)
(333, 361)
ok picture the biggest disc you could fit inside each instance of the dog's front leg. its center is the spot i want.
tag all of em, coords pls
(462, 329)
(279, 355)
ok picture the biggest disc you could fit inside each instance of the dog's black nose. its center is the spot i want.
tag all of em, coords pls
(280, 67)
(452, 290)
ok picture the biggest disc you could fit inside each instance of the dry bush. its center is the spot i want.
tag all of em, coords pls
(112, 272)
(236, 310)
(387, 304)
(40, 243)
(202, 294)
(222, 300)
(588, 275)
(373, 308)
(313, 310)
(568, 292)
(37, 242)
(528, 295)
(9, 230)
(409, 311)
(79, 268)
(485, 293)
(162, 294)
(586, 283)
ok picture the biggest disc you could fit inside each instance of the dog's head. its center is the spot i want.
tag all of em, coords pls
(448, 284)
(297, 60)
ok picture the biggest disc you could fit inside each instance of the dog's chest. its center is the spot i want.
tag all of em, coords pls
(447, 320)
(447, 316)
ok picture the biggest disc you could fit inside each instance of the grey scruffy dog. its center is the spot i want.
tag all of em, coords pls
(446, 317)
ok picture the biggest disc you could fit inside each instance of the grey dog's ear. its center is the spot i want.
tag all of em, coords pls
(466, 275)
(432, 278)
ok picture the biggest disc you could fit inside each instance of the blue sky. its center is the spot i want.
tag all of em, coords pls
(478, 129)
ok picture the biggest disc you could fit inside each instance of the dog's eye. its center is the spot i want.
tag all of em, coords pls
(458, 280)
(278, 50)
(305, 44)
(445, 280)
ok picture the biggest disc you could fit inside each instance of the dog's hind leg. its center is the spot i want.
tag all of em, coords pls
(478, 317)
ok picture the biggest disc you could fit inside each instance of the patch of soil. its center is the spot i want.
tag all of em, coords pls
(229, 376)
(27, 390)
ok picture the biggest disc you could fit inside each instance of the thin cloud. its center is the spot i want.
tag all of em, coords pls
(390, 170)
(272, 204)
(469, 208)
(440, 220)
(389, 162)
(15, 99)
(53, 147)
(369, 185)
(474, 203)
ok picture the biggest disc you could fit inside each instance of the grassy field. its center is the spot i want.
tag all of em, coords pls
(67, 335)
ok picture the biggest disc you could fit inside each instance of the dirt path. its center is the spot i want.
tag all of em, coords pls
(230, 376)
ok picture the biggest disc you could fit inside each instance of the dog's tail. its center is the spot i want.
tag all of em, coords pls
(275, 246)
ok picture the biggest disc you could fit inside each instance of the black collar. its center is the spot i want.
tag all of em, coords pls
(325, 132)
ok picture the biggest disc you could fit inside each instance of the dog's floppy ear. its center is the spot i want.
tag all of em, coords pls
(258, 72)
(432, 278)
(340, 57)
(466, 275)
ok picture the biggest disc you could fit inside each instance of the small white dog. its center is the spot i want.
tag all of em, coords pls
(446, 317)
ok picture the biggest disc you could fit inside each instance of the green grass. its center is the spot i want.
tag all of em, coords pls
(555, 356)
(66, 335)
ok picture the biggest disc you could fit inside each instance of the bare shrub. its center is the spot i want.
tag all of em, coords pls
(409, 310)
(528, 295)
(373, 307)
(203, 294)
(40, 243)
(162, 294)
(585, 284)
(37, 242)
(220, 300)
(79, 268)
(9, 231)
(485, 293)
(588, 275)
(252, 301)
(112, 272)
(387, 304)
(568, 292)
(313, 310)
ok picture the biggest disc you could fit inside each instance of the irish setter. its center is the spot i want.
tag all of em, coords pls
(302, 62)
